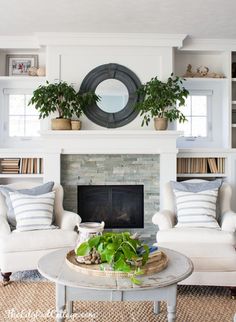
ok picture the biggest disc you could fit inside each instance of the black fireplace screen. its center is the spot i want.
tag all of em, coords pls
(119, 206)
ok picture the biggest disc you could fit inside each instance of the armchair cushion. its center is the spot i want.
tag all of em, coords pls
(5, 190)
(33, 212)
(192, 235)
(196, 203)
(228, 221)
(37, 240)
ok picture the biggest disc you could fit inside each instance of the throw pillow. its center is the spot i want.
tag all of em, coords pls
(196, 203)
(39, 190)
(33, 212)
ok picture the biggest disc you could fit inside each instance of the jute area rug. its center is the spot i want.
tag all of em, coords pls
(35, 301)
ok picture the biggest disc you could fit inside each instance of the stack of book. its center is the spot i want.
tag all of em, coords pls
(10, 165)
(31, 165)
(200, 165)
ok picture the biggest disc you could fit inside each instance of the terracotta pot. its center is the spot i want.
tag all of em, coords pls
(160, 123)
(60, 124)
(75, 124)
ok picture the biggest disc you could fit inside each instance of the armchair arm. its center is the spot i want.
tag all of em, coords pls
(165, 219)
(69, 220)
(228, 221)
(4, 226)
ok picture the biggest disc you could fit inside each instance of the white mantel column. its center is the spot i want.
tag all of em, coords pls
(167, 173)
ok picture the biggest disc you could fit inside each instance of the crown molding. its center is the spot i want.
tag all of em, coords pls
(208, 44)
(111, 39)
(19, 42)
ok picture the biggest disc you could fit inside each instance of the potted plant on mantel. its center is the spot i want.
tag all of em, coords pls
(63, 99)
(160, 101)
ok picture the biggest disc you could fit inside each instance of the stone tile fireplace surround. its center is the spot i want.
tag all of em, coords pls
(112, 169)
(113, 157)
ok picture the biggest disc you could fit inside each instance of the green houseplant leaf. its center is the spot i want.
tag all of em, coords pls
(120, 250)
(160, 99)
(61, 98)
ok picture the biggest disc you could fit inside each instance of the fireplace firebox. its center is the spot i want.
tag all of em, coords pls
(119, 206)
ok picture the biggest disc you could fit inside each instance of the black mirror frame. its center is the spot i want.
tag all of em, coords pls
(128, 78)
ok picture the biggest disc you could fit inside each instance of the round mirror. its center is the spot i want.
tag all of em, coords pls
(113, 95)
(117, 88)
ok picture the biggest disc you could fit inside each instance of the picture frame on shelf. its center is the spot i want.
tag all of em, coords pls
(19, 64)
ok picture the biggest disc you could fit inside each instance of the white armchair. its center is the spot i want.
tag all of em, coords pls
(212, 251)
(21, 250)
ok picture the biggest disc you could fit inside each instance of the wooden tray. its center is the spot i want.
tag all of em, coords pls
(148, 269)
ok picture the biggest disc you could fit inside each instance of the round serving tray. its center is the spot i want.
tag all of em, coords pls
(153, 266)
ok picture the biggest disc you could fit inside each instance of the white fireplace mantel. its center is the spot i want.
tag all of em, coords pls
(111, 142)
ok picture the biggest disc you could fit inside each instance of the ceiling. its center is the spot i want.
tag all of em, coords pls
(197, 18)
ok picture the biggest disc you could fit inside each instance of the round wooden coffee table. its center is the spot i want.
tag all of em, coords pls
(72, 286)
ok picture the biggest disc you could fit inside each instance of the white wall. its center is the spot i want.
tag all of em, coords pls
(73, 63)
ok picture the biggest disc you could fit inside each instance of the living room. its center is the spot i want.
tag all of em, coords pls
(106, 111)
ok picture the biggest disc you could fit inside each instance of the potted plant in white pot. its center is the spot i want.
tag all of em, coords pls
(160, 101)
(61, 98)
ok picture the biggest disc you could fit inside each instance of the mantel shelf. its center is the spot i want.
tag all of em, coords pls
(112, 133)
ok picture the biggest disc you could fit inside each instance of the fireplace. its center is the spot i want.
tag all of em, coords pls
(119, 206)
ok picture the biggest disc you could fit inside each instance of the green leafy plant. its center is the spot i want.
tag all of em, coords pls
(160, 99)
(61, 98)
(120, 250)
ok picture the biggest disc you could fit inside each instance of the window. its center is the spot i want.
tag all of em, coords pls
(197, 112)
(23, 120)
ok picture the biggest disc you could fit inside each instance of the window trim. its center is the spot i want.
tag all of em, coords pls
(208, 137)
(5, 114)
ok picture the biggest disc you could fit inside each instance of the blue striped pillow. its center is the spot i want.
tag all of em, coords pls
(196, 206)
(33, 212)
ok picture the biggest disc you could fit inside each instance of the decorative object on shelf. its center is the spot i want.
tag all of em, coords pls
(116, 85)
(63, 99)
(120, 252)
(160, 100)
(75, 125)
(19, 65)
(86, 99)
(41, 71)
(201, 71)
(32, 71)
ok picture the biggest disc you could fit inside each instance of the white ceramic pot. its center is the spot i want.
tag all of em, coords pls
(89, 229)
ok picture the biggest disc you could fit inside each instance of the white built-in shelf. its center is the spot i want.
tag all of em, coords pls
(205, 79)
(233, 125)
(233, 79)
(201, 175)
(21, 176)
(14, 78)
(233, 102)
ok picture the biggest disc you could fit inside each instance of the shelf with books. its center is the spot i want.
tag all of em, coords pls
(201, 166)
(17, 166)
